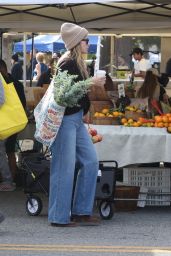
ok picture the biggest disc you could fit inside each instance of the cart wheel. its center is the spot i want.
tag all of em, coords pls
(106, 210)
(34, 205)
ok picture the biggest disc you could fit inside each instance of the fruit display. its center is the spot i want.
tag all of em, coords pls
(95, 137)
(135, 112)
(107, 117)
(159, 121)
(163, 120)
(134, 116)
(106, 112)
(141, 122)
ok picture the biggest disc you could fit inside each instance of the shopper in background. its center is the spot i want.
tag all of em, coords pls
(91, 66)
(46, 77)
(32, 64)
(73, 143)
(141, 65)
(11, 141)
(16, 70)
(40, 66)
(6, 182)
(151, 87)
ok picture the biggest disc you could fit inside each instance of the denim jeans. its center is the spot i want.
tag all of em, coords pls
(72, 144)
(4, 167)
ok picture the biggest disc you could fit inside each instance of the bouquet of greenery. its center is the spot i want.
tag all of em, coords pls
(67, 93)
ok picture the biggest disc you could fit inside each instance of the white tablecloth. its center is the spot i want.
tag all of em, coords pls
(131, 145)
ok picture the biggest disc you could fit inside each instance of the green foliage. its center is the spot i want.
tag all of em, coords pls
(147, 41)
(67, 93)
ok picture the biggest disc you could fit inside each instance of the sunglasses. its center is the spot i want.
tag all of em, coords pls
(85, 40)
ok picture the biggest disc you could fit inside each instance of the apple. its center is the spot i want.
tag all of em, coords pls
(95, 139)
(100, 137)
(92, 131)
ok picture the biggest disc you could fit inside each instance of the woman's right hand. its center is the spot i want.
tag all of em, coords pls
(98, 81)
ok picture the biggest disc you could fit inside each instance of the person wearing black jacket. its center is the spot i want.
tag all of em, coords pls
(73, 144)
(11, 141)
(16, 70)
(46, 77)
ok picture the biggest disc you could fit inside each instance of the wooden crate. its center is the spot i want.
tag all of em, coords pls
(105, 121)
(135, 115)
(126, 192)
(97, 106)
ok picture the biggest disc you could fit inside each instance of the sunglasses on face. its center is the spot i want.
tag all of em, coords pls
(85, 40)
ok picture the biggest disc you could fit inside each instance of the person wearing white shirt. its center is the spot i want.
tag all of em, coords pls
(141, 65)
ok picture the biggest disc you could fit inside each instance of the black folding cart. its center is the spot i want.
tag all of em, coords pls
(36, 179)
(105, 189)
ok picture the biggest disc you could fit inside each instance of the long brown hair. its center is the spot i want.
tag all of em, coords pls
(75, 54)
(149, 86)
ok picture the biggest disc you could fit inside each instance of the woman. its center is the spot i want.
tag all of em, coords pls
(40, 67)
(151, 88)
(73, 144)
(46, 77)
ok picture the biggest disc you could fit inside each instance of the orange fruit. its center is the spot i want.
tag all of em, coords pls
(123, 120)
(139, 123)
(120, 114)
(96, 114)
(166, 125)
(115, 113)
(135, 124)
(130, 120)
(101, 115)
(169, 129)
(105, 110)
(141, 119)
(165, 119)
(160, 124)
(158, 119)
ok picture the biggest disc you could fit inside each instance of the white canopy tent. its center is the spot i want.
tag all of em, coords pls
(119, 17)
(107, 17)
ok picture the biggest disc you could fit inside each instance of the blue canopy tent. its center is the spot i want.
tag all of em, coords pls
(51, 43)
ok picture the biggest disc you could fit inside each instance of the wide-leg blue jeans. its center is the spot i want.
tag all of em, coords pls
(72, 144)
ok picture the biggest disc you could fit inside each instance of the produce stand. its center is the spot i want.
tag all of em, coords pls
(135, 142)
(137, 145)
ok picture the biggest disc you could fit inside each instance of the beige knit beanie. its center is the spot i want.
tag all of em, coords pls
(72, 34)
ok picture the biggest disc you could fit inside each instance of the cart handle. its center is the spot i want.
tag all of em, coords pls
(110, 161)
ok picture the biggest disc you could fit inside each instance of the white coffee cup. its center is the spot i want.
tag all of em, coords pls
(100, 73)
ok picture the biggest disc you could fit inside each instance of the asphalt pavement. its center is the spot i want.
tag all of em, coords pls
(146, 231)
